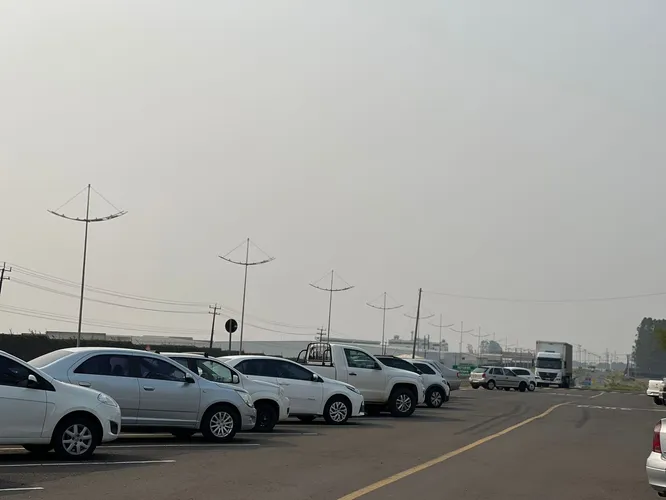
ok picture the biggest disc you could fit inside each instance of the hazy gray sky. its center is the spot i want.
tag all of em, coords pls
(504, 149)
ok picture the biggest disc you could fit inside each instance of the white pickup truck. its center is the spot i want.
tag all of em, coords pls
(383, 387)
(655, 390)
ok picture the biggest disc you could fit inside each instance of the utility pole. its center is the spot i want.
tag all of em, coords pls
(479, 336)
(320, 332)
(247, 264)
(461, 332)
(440, 326)
(214, 311)
(383, 309)
(4, 270)
(87, 220)
(416, 328)
(330, 290)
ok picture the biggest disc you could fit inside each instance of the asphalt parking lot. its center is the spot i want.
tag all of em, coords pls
(550, 444)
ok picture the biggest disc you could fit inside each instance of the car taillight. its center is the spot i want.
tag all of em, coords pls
(656, 438)
(457, 374)
(483, 375)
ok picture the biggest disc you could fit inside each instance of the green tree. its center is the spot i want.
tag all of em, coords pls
(649, 350)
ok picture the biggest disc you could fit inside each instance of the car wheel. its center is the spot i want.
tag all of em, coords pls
(76, 437)
(306, 418)
(182, 433)
(220, 423)
(267, 417)
(402, 403)
(522, 387)
(531, 387)
(434, 397)
(658, 401)
(491, 385)
(337, 410)
(38, 449)
(475, 386)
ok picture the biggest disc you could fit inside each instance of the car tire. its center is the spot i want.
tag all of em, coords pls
(267, 417)
(491, 385)
(507, 389)
(531, 387)
(402, 402)
(38, 449)
(220, 423)
(435, 397)
(522, 387)
(183, 433)
(337, 410)
(76, 437)
(306, 418)
(658, 401)
(475, 386)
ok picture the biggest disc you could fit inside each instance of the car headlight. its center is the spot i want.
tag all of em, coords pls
(353, 389)
(245, 396)
(107, 400)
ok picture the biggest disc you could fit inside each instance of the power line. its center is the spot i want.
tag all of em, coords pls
(87, 220)
(548, 301)
(330, 299)
(440, 326)
(461, 332)
(246, 264)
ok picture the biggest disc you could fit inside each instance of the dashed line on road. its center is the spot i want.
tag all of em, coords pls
(27, 488)
(619, 408)
(74, 464)
(597, 395)
(425, 465)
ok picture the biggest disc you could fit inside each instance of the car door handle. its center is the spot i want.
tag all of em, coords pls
(284, 383)
(352, 374)
(147, 388)
(84, 384)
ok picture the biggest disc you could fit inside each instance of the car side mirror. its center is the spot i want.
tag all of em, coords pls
(316, 378)
(377, 367)
(235, 379)
(32, 381)
(189, 379)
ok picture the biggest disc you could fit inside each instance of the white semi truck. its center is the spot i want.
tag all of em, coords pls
(554, 363)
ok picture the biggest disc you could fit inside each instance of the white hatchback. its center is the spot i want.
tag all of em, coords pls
(41, 414)
(310, 395)
(524, 373)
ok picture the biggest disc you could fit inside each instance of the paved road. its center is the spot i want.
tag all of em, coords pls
(593, 447)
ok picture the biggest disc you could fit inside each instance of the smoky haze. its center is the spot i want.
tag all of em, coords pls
(488, 149)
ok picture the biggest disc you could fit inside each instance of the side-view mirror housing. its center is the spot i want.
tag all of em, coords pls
(377, 366)
(235, 379)
(32, 381)
(189, 379)
(316, 378)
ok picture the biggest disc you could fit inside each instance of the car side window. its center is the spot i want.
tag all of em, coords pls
(497, 371)
(292, 371)
(217, 372)
(13, 374)
(425, 368)
(259, 368)
(359, 359)
(157, 369)
(509, 372)
(106, 364)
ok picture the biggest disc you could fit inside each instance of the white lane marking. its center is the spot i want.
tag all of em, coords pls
(73, 464)
(597, 395)
(182, 445)
(618, 408)
(255, 434)
(34, 488)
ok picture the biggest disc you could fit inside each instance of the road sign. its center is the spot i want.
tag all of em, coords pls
(464, 368)
(231, 325)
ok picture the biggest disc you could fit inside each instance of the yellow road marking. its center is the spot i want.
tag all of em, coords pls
(425, 465)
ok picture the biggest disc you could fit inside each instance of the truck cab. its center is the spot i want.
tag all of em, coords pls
(554, 363)
(384, 388)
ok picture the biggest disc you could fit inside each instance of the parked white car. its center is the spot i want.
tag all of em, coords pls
(437, 390)
(383, 387)
(269, 399)
(310, 395)
(155, 392)
(655, 467)
(526, 374)
(41, 413)
(654, 390)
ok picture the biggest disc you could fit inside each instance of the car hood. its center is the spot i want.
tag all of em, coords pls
(337, 382)
(75, 390)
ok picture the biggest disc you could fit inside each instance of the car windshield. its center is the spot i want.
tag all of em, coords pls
(49, 358)
(549, 363)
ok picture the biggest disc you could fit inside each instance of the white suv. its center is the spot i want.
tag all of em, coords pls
(310, 395)
(269, 399)
(41, 414)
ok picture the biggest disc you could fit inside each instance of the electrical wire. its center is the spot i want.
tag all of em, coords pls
(549, 301)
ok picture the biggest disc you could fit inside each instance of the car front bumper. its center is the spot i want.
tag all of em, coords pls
(655, 467)
(358, 406)
(248, 418)
(110, 418)
(284, 408)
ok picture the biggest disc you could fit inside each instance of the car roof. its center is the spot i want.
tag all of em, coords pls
(253, 356)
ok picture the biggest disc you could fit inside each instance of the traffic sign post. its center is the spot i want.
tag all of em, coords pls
(231, 326)
(464, 368)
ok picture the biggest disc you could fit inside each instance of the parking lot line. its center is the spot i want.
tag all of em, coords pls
(33, 488)
(425, 465)
(182, 445)
(73, 464)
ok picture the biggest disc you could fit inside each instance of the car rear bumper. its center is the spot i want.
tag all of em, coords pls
(655, 467)
(653, 394)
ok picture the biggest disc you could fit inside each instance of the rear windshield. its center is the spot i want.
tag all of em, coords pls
(49, 358)
(479, 370)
